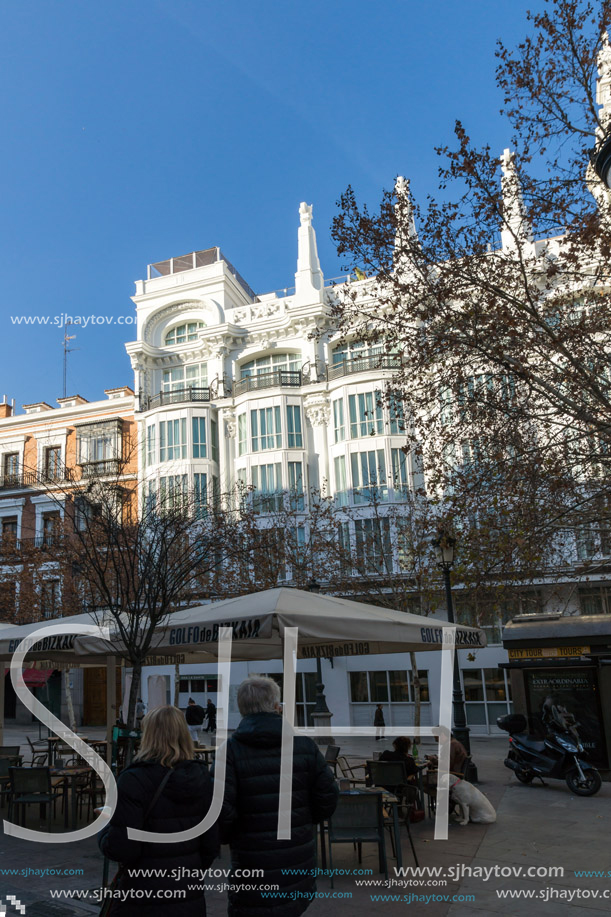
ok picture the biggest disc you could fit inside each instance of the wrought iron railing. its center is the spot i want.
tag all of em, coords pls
(364, 364)
(290, 378)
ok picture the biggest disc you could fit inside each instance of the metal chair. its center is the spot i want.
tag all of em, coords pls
(32, 786)
(331, 753)
(358, 819)
(5, 780)
(39, 752)
(392, 775)
(348, 771)
(11, 753)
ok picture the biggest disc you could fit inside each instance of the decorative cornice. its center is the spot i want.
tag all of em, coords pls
(317, 409)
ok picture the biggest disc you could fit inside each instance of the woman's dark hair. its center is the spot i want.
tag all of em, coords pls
(402, 744)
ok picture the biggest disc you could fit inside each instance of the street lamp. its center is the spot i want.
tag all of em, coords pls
(321, 713)
(444, 546)
(601, 161)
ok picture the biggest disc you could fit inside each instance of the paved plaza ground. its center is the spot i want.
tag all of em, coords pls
(536, 827)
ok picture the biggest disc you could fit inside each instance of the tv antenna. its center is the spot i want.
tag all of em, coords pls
(67, 350)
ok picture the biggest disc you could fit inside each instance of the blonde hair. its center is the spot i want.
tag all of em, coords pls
(165, 737)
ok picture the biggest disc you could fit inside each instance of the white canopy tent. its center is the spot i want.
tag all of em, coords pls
(328, 627)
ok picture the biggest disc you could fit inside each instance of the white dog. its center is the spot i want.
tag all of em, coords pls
(471, 801)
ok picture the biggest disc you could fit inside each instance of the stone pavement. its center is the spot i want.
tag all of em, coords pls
(536, 827)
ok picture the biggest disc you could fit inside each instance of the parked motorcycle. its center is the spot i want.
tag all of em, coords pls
(555, 756)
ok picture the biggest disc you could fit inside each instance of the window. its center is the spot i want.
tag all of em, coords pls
(151, 452)
(11, 467)
(265, 429)
(267, 482)
(214, 440)
(53, 462)
(200, 482)
(595, 600)
(352, 350)
(296, 485)
(293, 426)
(84, 511)
(199, 437)
(173, 491)
(9, 529)
(365, 412)
(172, 439)
(99, 442)
(194, 375)
(341, 490)
(242, 434)
(397, 415)
(398, 460)
(373, 547)
(368, 475)
(183, 333)
(396, 687)
(199, 684)
(50, 528)
(487, 696)
(338, 420)
(49, 599)
(287, 361)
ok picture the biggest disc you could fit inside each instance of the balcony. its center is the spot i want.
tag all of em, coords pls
(364, 364)
(100, 468)
(178, 396)
(36, 478)
(286, 378)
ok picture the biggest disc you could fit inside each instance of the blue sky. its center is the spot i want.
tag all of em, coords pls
(136, 130)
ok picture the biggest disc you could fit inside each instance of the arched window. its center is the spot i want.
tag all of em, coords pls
(289, 361)
(180, 334)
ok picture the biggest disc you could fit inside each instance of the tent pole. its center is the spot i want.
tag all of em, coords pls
(111, 702)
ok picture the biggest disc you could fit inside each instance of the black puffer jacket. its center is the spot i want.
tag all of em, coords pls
(249, 818)
(184, 801)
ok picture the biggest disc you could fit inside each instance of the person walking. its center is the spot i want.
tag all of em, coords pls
(211, 716)
(140, 712)
(164, 790)
(195, 716)
(249, 816)
(378, 722)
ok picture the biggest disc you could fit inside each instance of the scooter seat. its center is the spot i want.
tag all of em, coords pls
(531, 742)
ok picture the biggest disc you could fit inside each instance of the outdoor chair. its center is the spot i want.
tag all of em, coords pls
(32, 786)
(358, 819)
(468, 771)
(11, 753)
(89, 789)
(331, 753)
(392, 775)
(39, 752)
(349, 771)
(5, 780)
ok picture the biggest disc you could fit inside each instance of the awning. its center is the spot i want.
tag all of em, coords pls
(328, 626)
(35, 678)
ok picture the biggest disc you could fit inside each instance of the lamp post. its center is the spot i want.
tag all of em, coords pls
(321, 713)
(601, 161)
(444, 549)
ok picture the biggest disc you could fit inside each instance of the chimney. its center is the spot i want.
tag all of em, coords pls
(6, 409)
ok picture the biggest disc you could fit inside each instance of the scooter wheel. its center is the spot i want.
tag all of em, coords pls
(587, 787)
(524, 776)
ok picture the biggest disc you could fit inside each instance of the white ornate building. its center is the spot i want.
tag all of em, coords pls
(233, 387)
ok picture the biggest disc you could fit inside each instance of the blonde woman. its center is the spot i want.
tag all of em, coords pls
(165, 760)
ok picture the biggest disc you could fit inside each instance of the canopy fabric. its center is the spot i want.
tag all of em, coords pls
(35, 678)
(328, 626)
(56, 648)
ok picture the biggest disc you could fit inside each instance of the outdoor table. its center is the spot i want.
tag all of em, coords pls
(388, 799)
(69, 776)
(206, 752)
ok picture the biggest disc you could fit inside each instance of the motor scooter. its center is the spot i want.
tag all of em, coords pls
(555, 756)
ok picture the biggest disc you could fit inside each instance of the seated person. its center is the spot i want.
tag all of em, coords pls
(458, 756)
(400, 752)
(401, 748)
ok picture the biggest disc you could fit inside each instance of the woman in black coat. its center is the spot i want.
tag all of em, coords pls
(249, 817)
(167, 748)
